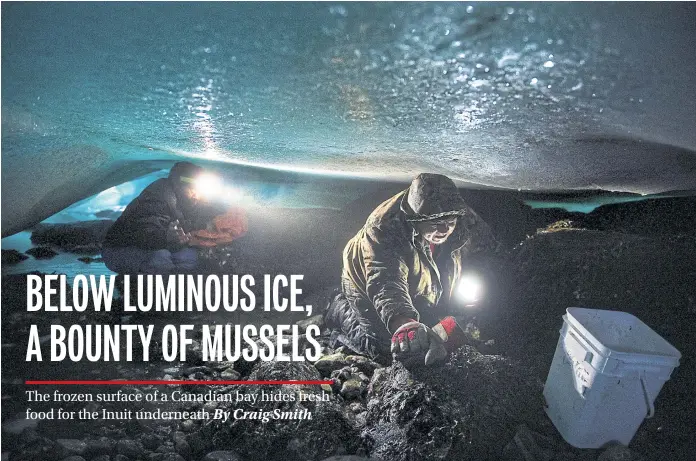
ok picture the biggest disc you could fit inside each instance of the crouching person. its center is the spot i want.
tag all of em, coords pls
(153, 235)
(400, 270)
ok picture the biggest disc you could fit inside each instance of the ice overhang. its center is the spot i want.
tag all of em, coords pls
(543, 96)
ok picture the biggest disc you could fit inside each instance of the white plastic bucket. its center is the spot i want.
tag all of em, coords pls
(606, 372)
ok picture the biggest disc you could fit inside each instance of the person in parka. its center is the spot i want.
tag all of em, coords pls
(153, 234)
(400, 270)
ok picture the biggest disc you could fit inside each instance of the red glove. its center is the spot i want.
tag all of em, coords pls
(413, 338)
(450, 333)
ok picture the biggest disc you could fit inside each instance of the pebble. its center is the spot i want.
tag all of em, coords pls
(72, 446)
(196, 442)
(41, 253)
(101, 446)
(89, 259)
(165, 448)
(356, 407)
(150, 441)
(230, 374)
(222, 456)
(181, 446)
(210, 406)
(130, 448)
(329, 363)
(363, 364)
(197, 369)
(317, 320)
(173, 457)
(353, 388)
(347, 458)
(188, 426)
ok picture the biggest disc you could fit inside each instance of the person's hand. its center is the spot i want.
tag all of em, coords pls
(175, 233)
(184, 237)
(414, 338)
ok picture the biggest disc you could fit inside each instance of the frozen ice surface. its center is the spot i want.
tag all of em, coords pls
(532, 96)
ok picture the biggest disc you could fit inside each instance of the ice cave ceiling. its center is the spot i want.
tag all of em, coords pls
(539, 96)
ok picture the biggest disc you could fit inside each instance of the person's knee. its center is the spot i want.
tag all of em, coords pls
(110, 260)
(185, 260)
(123, 260)
(158, 262)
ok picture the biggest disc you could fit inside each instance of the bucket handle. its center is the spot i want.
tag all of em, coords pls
(646, 394)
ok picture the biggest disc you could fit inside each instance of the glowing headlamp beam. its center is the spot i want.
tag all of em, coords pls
(208, 186)
(470, 288)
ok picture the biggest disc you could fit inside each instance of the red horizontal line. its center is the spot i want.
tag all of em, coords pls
(173, 382)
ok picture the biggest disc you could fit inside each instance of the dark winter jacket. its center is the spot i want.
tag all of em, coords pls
(389, 268)
(146, 220)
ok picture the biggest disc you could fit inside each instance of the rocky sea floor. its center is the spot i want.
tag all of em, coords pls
(484, 403)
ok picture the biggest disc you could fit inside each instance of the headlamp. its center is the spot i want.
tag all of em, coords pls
(469, 289)
(210, 187)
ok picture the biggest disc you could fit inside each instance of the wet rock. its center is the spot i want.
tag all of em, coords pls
(130, 448)
(20, 422)
(222, 365)
(353, 388)
(315, 431)
(78, 237)
(13, 257)
(181, 446)
(37, 449)
(197, 443)
(197, 369)
(317, 320)
(121, 458)
(619, 453)
(469, 408)
(74, 458)
(72, 446)
(102, 458)
(172, 457)
(195, 353)
(41, 253)
(89, 260)
(222, 456)
(150, 441)
(355, 413)
(188, 425)
(210, 406)
(363, 364)
(347, 458)
(230, 375)
(100, 446)
(350, 382)
(329, 363)
(167, 447)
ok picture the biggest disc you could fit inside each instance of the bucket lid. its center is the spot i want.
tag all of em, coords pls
(622, 336)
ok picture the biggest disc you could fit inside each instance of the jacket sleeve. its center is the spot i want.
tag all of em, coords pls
(152, 221)
(386, 272)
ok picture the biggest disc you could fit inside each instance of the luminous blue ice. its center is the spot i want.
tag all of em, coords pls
(93, 93)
